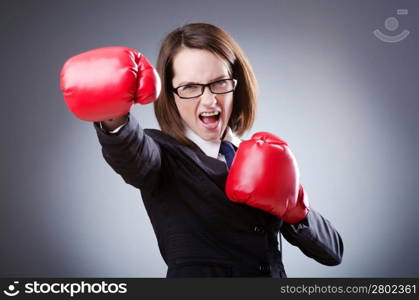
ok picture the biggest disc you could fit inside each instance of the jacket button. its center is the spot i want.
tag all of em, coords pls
(259, 229)
(265, 268)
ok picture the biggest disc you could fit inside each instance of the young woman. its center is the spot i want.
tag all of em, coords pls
(207, 101)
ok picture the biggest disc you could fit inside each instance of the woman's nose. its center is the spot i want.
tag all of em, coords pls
(208, 98)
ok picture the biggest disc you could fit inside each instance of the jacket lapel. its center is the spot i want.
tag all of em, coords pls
(214, 168)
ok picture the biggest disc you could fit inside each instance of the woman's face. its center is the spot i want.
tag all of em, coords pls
(201, 66)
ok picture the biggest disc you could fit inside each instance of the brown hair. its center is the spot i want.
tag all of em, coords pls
(218, 42)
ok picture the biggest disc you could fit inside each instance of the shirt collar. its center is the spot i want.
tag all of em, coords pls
(211, 148)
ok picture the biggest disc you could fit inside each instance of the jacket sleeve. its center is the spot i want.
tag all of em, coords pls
(316, 238)
(132, 154)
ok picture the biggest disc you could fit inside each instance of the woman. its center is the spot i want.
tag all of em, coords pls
(207, 101)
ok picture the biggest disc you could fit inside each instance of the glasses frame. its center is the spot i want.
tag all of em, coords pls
(203, 86)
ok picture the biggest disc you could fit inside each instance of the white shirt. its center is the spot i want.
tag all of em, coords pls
(212, 148)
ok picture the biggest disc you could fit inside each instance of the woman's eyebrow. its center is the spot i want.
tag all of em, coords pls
(191, 82)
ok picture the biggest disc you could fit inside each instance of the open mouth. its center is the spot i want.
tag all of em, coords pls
(210, 120)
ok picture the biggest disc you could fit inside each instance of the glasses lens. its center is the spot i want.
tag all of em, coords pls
(189, 91)
(222, 86)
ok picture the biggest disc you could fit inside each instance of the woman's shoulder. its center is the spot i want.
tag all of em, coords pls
(160, 136)
(164, 139)
(170, 143)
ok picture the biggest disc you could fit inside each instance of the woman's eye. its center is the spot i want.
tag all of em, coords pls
(188, 87)
(220, 83)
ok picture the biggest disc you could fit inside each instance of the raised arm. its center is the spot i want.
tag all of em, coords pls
(131, 153)
(100, 86)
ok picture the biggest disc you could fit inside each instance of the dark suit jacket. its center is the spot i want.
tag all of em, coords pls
(200, 232)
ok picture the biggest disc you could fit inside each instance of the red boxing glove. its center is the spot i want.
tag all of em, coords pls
(104, 83)
(300, 211)
(264, 174)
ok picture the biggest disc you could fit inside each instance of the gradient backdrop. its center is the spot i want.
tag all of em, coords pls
(346, 102)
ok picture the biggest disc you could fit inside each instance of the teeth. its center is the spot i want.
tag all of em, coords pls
(207, 114)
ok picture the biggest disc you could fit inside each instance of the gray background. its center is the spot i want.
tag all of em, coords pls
(346, 102)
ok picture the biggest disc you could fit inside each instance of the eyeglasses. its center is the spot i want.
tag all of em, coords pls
(189, 91)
